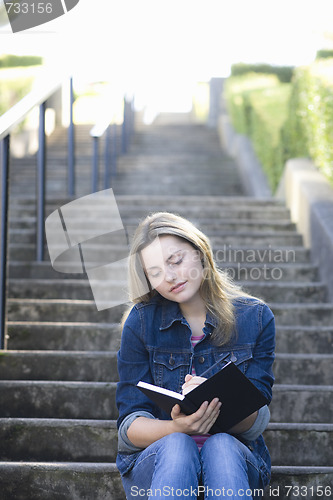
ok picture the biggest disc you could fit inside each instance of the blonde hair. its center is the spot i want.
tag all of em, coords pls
(217, 289)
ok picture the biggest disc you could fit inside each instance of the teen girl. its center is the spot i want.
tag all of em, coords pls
(187, 316)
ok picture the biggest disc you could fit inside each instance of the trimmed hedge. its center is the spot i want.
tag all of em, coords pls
(258, 107)
(310, 121)
(11, 61)
(286, 120)
(284, 73)
(324, 54)
(15, 83)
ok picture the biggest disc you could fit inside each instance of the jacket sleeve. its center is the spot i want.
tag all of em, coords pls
(133, 365)
(259, 425)
(124, 444)
(260, 369)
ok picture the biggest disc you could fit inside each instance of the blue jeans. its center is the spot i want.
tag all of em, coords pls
(173, 467)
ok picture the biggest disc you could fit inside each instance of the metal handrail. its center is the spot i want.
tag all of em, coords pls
(109, 128)
(8, 121)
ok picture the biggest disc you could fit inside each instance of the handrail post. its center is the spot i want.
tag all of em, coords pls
(71, 143)
(107, 161)
(124, 128)
(95, 164)
(114, 150)
(41, 174)
(4, 239)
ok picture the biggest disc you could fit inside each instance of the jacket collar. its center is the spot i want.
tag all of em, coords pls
(171, 313)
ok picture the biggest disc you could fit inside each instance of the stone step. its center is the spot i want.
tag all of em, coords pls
(101, 366)
(101, 481)
(193, 203)
(53, 440)
(66, 310)
(201, 209)
(79, 289)
(224, 253)
(209, 226)
(243, 271)
(305, 339)
(74, 336)
(303, 314)
(85, 311)
(295, 293)
(218, 238)
(96, 400)
(24, 335)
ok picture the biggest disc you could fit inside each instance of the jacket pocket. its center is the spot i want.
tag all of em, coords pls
(170, 368)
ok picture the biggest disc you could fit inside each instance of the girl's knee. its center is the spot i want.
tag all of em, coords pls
(222, 443)
(179, 442)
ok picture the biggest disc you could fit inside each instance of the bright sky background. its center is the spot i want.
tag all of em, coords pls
(146, 44)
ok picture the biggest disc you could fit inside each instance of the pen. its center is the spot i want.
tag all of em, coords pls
(213, 366)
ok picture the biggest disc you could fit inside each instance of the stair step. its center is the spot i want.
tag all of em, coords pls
(64, 336)
(289, 292)
(83, 481)
(96, 400)
(217, 237)
(59, 480)
(79, 289)
(305, 339)
(85, 311)
(96, 441)
(254, 271)
(302, 403)
(27, 225)
(289, 443)
(303, 314)
(106, 337)
(225, 252)
(67, 310)
(101, 366)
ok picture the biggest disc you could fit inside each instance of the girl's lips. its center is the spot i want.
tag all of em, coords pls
(179, 287)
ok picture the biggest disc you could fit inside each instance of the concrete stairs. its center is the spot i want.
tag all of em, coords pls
(58, 378)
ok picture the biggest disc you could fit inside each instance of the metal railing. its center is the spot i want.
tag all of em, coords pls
(8, 122)
(109, 129)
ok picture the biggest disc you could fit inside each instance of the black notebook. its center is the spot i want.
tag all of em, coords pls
(238, 395)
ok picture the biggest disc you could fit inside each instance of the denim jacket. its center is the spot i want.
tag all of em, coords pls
(156, 348)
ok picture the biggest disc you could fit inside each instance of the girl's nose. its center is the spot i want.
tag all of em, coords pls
(170, 274)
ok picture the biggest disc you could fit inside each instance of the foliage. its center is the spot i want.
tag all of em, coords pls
(11, 61)
(310, 121)
(258, 106)
(15, 83)
(286, 120)
(284, 73)
(324, 54)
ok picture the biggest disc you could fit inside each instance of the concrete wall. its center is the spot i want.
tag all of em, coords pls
(309, 197)
(239, 147)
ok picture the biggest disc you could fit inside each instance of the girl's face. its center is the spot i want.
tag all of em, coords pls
(173, 268)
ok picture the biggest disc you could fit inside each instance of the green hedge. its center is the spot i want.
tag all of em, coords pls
(324, 54)
(309, 130)
(284, 73)
(286, 120)
(11, 61)
(258, 106)
(15, 83)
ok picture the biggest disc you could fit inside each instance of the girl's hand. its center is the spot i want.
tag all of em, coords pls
(191, 382)
(199, 422)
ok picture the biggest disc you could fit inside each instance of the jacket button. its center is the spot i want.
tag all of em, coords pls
(171, 361)
(201, 360)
